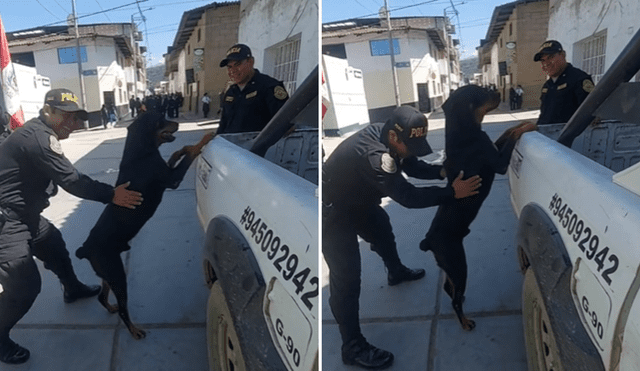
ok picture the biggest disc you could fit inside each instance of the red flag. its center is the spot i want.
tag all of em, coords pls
(9, 83)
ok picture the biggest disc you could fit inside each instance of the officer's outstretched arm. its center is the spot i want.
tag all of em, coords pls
(126, 198)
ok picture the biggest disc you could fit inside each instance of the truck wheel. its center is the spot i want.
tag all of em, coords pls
(223, 345)
(542, 351)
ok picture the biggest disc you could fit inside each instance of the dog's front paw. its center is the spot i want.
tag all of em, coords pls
(467, 324)
(137, 333)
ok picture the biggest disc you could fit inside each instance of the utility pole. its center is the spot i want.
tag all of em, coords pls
(396, 86)
(83, 97)
(135, 58)
(445, 93)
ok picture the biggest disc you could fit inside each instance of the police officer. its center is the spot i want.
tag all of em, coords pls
(362, 169)
(253, 99)
(566, 88)
(32, 165)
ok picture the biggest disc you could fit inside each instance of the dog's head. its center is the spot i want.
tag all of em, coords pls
(148, 132)
(467, 106)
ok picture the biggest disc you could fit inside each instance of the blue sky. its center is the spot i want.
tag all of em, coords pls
(472, 19)
(162, 17)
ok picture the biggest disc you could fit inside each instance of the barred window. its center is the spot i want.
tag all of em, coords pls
(591, 52)
(285, 66)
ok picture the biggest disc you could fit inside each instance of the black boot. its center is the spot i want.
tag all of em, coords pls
(402, 274)
(360, 353)
(79, 290)
(13, 353)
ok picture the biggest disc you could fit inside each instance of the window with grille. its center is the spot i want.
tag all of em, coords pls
(591, 53)
(285, 68)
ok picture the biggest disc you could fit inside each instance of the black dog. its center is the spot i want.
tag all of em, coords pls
(148, 173)
(470, 150)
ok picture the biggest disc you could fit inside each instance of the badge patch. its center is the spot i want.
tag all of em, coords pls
(544, 90)
(251, 95)
(280, 93)
(560, 87)
(228, 99)
(54, 144)
(587, 85)
(388, 164)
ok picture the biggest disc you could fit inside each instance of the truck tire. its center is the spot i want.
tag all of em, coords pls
(553, 328)
(223, 344)
(235, 308)
(540, 340)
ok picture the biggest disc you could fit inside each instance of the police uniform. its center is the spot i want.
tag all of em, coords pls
(251, 108)
(31, 165)
(355, 178)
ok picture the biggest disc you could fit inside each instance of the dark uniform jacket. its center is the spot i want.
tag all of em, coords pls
(560, 99)
(361, 171)
(251, 109)
(31, 162)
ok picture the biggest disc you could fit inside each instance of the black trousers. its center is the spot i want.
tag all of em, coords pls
(340, 231)
(20, 278)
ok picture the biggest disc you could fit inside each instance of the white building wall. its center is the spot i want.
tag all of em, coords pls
(265, 23)
(378, 80)
(101, 57)
(573, 20)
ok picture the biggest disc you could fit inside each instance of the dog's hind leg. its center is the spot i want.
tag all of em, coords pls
(103, 298)
(450, 256)
(119, 288)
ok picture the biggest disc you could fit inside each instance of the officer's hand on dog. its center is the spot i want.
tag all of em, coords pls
(126, 198)
(466, 188)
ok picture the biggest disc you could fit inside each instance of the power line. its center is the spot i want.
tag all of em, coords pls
(92, 14)
(45, 8)
(61, 7)
(100, 6)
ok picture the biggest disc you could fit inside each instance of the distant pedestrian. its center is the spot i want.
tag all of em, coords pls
(206, 101)
(519, 94)
(113, 117)
(512, 98)
(132, 106)
(104, 114)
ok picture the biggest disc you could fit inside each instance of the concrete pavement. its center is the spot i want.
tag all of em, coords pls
(415, 320)
(167, 294)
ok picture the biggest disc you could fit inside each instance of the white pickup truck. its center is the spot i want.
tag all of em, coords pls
(578, 237)
(260, 216)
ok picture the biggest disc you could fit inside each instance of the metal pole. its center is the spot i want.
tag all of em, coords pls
(396, 86)
(445, 93)
(135, 59)
(79, 58)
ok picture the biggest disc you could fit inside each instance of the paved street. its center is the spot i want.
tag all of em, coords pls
(167, 294)
(415, 320)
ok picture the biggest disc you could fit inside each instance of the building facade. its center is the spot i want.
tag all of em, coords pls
(113, 68)
(514, 36)
(426, 60)
(192, 64)
(593, 42)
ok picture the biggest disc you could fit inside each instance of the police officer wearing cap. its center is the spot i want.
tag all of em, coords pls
(361, 170)
(565, 89)
(253, 99)
(32, 165)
